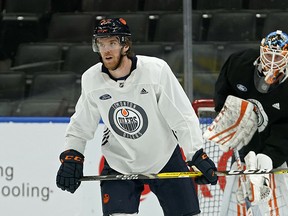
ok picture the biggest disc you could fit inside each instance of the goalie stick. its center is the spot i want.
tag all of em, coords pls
(169, 175)
(243, 184)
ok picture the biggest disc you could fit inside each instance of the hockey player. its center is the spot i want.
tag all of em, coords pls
(147, 118)
(260, 80)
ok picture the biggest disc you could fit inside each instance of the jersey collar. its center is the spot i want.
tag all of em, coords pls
(133, 67)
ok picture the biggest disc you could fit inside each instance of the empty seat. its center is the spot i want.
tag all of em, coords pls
(17, 29)
(267, 4)
(27, 6)
(203, 85)
(174, 56)
(204, 58)
(163, 5)
(223, 4)
(64, 6)
(79, 57)
(170, 27)
(34, 57)
(1, 5)
(5, 63)
(12, 86)
(54, 86)
(6, 108)
(149, 49)
(225, 50)
(232, 26)
(41, 108)
(71, 28)
(138, 24)
(119, 5)
(275, 21)
(23, 21)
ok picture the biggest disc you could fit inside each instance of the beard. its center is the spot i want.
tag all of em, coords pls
(114, 62)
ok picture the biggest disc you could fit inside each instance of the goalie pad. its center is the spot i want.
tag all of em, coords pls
(277, 205)
(258, 186)
(234, 126)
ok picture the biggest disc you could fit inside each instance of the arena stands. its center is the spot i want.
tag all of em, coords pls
(54, 37)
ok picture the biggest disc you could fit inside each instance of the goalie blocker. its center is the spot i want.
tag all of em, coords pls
(234, 126)
(258, 185)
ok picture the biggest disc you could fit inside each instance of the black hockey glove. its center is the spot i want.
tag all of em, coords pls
(70, 171)
(203, 163)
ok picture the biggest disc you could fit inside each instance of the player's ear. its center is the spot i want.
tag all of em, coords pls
(125, 49)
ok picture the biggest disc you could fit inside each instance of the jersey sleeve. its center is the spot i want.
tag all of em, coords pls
(178, 112)
(83, 122)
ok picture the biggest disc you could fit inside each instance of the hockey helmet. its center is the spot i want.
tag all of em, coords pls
(111, 27)
(274, 56)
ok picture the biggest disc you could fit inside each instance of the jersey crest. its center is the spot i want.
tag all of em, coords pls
(128, 119)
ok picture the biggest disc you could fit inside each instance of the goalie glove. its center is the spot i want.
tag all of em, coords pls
(203, 163)
(70, 171)
(257, 185)
(234, 126)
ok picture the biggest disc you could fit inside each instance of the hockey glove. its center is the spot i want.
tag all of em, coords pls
(258, 186)
(70, 171)
(203, 163)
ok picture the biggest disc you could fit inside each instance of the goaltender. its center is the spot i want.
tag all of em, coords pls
(261, 80)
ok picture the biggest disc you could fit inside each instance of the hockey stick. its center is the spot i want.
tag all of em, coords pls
(169, 175)
(243, 184)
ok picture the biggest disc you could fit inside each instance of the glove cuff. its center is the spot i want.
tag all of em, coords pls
(205, 165)
(71, 156)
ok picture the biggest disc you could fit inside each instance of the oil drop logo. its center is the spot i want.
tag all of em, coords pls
(128, 119)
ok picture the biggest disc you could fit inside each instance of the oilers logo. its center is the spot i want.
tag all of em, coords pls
(128, 119)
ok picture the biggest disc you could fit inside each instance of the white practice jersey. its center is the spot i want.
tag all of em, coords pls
(142, 115)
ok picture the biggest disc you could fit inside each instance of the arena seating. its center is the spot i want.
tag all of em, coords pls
(54, 37)
(12, 86)
(41, 108)
(34, 57)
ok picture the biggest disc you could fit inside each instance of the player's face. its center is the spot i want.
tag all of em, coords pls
(273, 63)
(110, 50)
(273, 59)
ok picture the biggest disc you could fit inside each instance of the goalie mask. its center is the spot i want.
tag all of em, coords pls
(274, 57)
(109, 28)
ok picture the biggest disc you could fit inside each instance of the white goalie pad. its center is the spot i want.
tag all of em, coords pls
(276, 206)
(234, 126)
